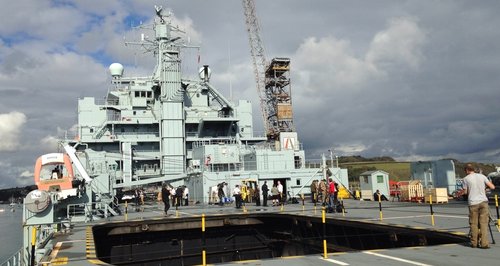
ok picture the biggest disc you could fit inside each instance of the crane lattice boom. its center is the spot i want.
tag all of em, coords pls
(272, 80)
(257, 52)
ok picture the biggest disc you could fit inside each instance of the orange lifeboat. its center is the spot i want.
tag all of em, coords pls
(54, 172)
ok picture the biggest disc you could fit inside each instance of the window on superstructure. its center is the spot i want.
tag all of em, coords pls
(298, 181)
(137, 94)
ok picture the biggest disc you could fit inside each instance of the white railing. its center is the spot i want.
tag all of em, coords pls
(14, 260)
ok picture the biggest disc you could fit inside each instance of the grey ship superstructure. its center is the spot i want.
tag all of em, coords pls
(168, 128)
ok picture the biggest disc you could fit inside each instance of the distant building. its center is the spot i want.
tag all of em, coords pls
(373, 180)
(435, 174)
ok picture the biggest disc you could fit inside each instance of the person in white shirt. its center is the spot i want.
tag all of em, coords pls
(280, 191)
(479, 213)
(237, 196)
(185, 196)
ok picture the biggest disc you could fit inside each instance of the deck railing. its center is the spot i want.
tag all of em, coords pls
(14, 260)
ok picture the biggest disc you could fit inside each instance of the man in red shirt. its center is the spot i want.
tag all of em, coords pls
(332, 191)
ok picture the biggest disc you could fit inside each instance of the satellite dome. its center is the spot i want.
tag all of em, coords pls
(37, 201)
(116, 70)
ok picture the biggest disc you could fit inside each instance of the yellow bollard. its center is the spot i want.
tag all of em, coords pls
(432, 212)
(176, 208)
(303, 202)
(342, 204)
(380, 207)
(323, 219)
(204, 252)
(498, 216)
(33, 244)
(126, 210)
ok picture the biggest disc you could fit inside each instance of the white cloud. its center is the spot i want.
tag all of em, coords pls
(350, 149)
(10, 130)
(27, 174)
(331, 61)
(400, 43)
(49, 143)
(41, 20)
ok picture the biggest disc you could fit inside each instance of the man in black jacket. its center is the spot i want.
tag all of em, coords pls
(265, 190)
(165, 197)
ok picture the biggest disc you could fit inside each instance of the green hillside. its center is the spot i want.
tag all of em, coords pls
(397, 170)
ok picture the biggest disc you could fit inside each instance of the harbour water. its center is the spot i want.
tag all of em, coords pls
(10, 231)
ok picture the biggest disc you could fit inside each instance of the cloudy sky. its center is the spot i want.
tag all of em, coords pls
(414, 80)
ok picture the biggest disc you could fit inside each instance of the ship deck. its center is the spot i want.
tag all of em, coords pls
(78, 247)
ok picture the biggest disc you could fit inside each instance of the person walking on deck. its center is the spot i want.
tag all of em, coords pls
(265, 191)
(475, 187)
(165, 197)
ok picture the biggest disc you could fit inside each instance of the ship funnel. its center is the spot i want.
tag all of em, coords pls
(116, 70)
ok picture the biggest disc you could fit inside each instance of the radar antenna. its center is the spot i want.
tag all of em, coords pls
(158, 13)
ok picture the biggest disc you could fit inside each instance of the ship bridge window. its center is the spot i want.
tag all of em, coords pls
(143, 94)
(297, 181)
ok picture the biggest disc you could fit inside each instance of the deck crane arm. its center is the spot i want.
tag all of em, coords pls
(72, 155)
(272, 80)
(258, 56)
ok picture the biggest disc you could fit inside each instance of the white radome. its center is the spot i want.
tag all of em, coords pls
(116, 70)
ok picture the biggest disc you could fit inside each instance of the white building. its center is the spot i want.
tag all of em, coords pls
(373, 180)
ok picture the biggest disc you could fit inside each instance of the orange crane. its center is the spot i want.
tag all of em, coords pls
(272, 80)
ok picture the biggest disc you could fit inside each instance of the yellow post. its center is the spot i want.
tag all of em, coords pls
(204, 252)
(432, 212)
(323, 219)
(33, 236)
(303, 201)
(380, 207)
(342, 204)
(33, 243)
(282, 207)
(126, 210)
(498, 218)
